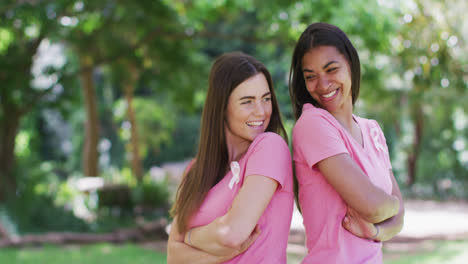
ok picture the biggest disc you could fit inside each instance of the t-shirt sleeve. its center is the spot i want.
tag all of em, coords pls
(315, 138)
(382, 143)
(270, 158)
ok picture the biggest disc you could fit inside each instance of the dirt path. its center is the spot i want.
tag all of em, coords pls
(425, 223)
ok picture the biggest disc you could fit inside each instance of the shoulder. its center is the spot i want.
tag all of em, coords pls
(368, 124)
(315, 123)
(270, 139)
(314, 116)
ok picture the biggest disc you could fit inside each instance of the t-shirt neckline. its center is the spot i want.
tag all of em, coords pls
(355, 118)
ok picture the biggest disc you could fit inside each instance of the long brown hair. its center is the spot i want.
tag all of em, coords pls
(315, 35)
(228, 71)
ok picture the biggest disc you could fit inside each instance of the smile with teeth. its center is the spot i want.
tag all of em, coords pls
(328, 95)
(255, 123)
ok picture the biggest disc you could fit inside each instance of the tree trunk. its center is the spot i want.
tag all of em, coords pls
(134, 141)
(414, 155)
(8, 131)
(3, 232)
(90, 150)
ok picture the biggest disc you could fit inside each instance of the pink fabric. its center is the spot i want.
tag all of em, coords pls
(317, 135)
(269, 156)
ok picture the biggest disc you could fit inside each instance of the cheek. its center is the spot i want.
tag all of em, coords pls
(309, 85)
(232, 118)
(310, 88)
(238, 117)
(268, 112)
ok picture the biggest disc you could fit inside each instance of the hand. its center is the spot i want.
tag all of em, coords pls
(359, 227)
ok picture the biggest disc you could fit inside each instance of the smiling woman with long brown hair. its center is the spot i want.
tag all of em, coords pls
(234, 204)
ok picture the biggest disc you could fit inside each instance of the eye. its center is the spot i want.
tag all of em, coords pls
(332, 69)
(310, 77)
(246, 102)
(267, 99)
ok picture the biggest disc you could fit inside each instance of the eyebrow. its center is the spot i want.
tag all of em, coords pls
(324, 67)
(253, 97)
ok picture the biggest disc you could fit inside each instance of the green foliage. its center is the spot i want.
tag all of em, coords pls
(7, 222)
(6, 38)
(126, 194)
(151, 193)
(447, 252)
(183, 143)
(155, 121)
(34, 208)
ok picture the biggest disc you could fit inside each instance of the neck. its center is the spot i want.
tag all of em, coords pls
(236, 147)
(345, 118)
(344, 115)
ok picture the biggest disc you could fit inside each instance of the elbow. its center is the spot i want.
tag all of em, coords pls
(381, 211)
(227, 237)
(173, 252)
(401, 219)
(170, 254)
(170, 259)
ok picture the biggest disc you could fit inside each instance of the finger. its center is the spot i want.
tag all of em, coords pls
(352, 212)
(346, 220)
(346, 223)
(250, 240)
(348, 209)
(257, 229)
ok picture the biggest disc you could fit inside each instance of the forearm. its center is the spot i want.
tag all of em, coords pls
(346, 176)
(181, 253)
(229, 232)
(387, 208)
(212, 238)
(392, 226)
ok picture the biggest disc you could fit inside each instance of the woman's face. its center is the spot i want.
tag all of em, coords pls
(249, 109)
(327, 78)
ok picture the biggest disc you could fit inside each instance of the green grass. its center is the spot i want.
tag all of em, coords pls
(93, 254)
(430, 252)
(421, 252)
(426, 252)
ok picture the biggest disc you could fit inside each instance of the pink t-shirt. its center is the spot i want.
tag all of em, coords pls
(268, 156)
(317, 135)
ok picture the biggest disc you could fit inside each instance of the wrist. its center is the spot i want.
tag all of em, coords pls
(188, 237)
(377, 231)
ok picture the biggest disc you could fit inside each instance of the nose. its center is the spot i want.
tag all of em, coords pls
(323, 82)
(260, 109)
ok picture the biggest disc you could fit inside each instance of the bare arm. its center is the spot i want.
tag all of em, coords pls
(392, 226)
(179, 252)
(355, 187)
(383, 231)
(231, 230)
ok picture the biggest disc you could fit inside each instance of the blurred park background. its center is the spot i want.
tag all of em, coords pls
(100, 105)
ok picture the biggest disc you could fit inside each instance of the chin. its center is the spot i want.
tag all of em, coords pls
(253, 136)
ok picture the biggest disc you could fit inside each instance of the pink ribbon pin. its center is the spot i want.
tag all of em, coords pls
(375, 138)
(235, 169)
